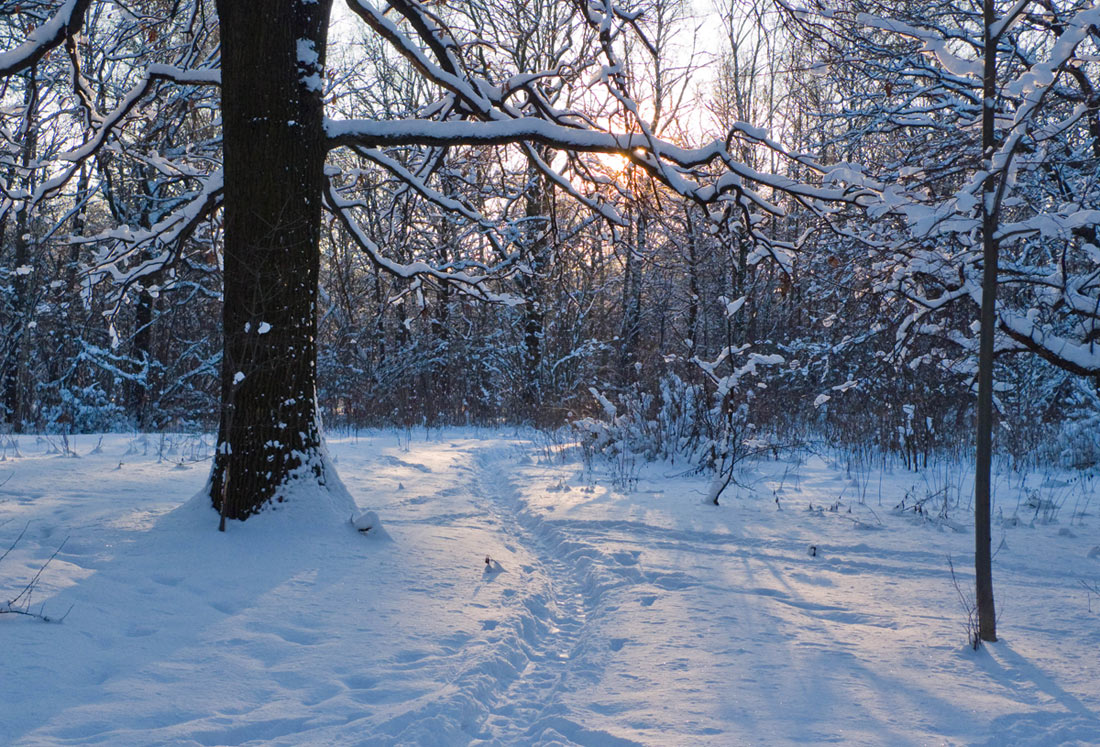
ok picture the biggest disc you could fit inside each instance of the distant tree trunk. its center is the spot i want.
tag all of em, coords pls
(274, 153)
(12, 391)
(693, 284)
(80, 221)
(440, 405)
(438, 390)
(21, 285)
(983, 562)
(142, 353)
(742, 323)
(537, 213)
(632, 297)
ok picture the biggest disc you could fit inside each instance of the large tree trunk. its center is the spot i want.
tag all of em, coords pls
(274, 153)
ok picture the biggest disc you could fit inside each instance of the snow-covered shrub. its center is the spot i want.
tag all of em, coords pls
(1065, 431)
(84, 409)
(642, 426)
(1077, 445)
(709, 423)
(675, 421)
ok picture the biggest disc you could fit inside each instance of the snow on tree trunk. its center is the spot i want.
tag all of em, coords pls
(274, 151)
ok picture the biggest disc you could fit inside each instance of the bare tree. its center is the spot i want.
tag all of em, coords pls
(979, 126)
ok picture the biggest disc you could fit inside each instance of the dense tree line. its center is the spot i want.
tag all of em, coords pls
(521, 281)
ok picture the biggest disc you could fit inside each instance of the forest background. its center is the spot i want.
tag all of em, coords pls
(528, 284)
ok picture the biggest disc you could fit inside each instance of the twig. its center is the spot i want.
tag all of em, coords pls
(29, 588)
(880, 523)
(972, 632)
(16, 542)
(7, 609)
(1090, 589)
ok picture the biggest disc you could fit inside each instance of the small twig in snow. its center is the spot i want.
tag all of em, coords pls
(11, 606)
(972, 632)
(16, 542)
(1090, 589)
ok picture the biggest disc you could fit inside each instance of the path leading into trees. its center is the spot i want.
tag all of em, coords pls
(605, 617)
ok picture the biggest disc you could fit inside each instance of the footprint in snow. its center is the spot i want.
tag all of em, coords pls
(140, 631)
(627, 557)
(360, 682)
(224, 607)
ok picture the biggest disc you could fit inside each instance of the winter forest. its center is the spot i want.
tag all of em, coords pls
(689, 371)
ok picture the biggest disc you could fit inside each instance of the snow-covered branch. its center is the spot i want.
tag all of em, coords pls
(63, 24)
(474, 285)
(655, 155)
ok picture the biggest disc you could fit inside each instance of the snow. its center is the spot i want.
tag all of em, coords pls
(373, 133)
(203, 76)
(602, 617)
(313, 82)
(309, 65)
(307, 53)
(934, 44)
(47, 35)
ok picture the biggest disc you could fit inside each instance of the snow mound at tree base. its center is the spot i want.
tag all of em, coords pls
(304, 504)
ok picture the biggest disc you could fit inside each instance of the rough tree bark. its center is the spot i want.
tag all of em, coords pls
(274, 154)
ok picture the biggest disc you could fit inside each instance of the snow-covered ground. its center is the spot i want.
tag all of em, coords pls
(608, 615)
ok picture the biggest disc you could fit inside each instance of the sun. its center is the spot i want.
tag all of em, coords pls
(614, 164)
